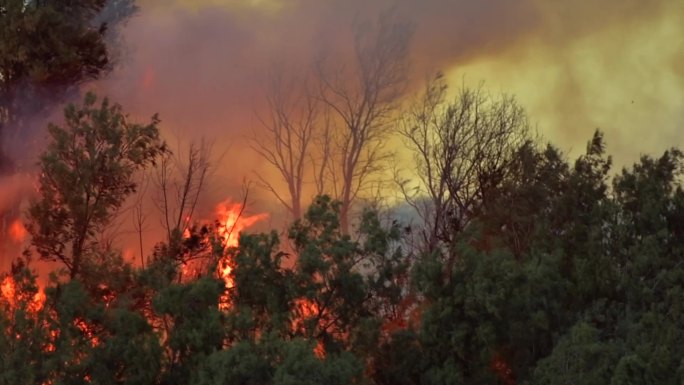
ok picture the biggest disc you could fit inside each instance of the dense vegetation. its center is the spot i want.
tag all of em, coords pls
(524, 267)
(563, 274)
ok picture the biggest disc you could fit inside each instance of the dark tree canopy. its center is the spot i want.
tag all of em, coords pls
(567, 275)
(47, 46)
(86, 175)
(533, 269)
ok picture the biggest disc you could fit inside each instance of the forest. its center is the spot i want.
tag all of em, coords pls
(517, 265)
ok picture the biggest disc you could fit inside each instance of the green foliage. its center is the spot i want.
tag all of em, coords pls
(300, 366)
(349, 283)
(50, 42)
(47, 47)
(580, 357)
(263, 288)
(192, 324)
(86, 174)
(276, 362)
(562, 278)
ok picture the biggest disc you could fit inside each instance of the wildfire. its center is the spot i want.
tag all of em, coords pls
(8, 291)
(17, 231)
(308, 310)
(231, 222)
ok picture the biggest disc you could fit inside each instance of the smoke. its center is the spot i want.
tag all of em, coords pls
(576, 65)
(13, 189)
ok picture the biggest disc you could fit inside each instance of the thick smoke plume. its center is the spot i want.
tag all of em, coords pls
(202, 65)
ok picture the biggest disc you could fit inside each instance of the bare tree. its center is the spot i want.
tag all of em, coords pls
(180, 183)
(363, 99)
(462, 150)
(292, 129)
(140, 217)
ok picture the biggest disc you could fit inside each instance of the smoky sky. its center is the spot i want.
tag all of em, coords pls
(576, 65)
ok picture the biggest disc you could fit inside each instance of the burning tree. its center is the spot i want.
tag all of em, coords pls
(47, 50)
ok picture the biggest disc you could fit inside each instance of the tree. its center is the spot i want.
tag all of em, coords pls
(344, 289)
(86, 175)
(47, 49)
(48, 46)
(179, 194)
(463, 149)
(292, 130)
(23, 335)
(629, 326)
(362, 99)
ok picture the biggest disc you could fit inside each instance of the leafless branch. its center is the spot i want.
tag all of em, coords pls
(180, 183)
(364, 101)
(462, 149)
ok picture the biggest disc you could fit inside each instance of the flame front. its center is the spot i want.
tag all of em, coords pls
(231, 222)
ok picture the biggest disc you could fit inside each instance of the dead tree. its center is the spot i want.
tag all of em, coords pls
(292, 129)
(180, 183)
(363, 98)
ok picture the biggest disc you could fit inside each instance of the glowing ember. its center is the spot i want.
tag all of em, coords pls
(231, 222)
(503, 370)
(87, 331)
(17, 231)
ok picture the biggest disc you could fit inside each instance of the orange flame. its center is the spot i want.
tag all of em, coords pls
(8, 291)
(231, 222)
(307, 310)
